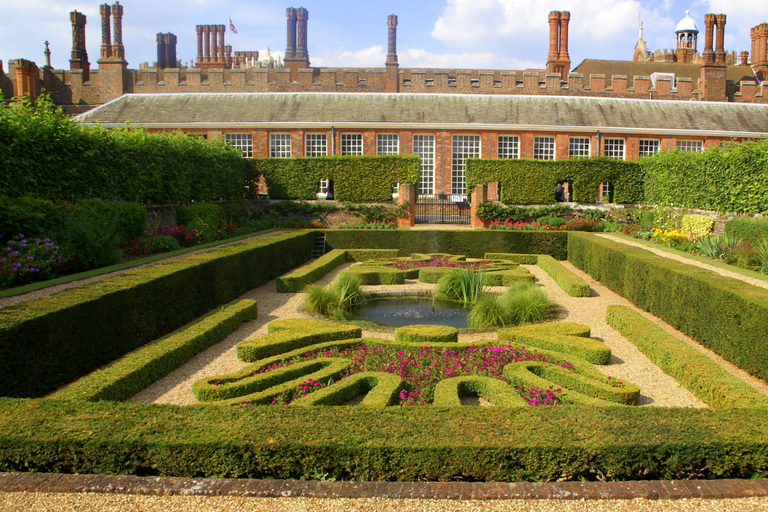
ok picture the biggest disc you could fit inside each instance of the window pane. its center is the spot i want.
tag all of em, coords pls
(242, 141)
(578, 147)
(648, 147)
(351, 144)
(614, 148)
(387, 144)
(544, 148)
(508, 146)
(424, 146)
(315, 144)
(280, 145)
(690, 145)
(462, 147)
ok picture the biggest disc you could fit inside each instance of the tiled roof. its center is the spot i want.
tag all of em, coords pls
(630, 69)
(296, 110)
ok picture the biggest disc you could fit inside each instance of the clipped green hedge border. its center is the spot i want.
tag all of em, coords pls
(380, 390)
(725, 315)
(571, 284)
(427, 334)
(449, 392)
(703, 377)
(566, 337)
(80, 329)
(133, 372)
(295, 280)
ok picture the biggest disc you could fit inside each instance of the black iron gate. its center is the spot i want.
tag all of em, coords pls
(442, 209)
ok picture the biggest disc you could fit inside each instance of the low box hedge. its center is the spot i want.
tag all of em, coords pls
(373, 275)
(725, 315)
(380, 390)
(295, 280)
(520, 259)
(371, 254)
(571, 284)
(566, 337)
(133, 372)
(427, 334)
(702, 376)
(449, 392)
(80, 329)
(472, 243)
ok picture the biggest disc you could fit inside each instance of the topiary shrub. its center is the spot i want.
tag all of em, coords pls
(427, 334)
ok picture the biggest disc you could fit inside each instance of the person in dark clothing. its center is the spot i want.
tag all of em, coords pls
(559, 192)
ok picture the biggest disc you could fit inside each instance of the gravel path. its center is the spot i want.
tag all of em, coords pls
(627, 363)
(23, 501)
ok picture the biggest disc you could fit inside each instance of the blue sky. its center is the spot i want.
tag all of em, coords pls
(496, 34)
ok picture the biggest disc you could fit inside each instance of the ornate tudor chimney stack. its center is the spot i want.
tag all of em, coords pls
(713, 70)
(112, 65)
(296, 51)
(392, 66)
(79, 57)
(760, 51)
(558, 60)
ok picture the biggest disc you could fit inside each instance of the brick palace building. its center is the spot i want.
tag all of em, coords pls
(622, 109)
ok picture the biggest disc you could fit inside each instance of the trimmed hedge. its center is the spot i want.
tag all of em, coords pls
(355, 178)
(370, 254)
(283, 337)
(571, 284)
(566, 337)
(380, 390)
(133, 372)
(48, 155)
(702, 376)
(725, 315)
(749, 230)
(533, 181)
(449, 392)
(295, 280)
(373, 275)
(727, 179)
(78, 330)
(427, 334)
(520, 259)
(474, 244)
(397, 443)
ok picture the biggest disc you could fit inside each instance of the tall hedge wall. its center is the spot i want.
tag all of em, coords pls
(725, 315)
(50, 341)
(534, 181)
(355, 178)
(471, 243)
(728, 179)
(45, 154)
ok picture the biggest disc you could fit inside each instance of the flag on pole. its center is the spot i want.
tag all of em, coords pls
(232, 26)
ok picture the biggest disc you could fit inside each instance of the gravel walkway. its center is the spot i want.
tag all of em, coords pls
(24, 501)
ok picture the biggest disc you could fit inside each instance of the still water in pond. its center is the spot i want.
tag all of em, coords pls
(396, 312)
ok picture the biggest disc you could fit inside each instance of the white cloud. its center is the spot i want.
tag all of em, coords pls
(417, 58)
(741, 17)
(371, 57)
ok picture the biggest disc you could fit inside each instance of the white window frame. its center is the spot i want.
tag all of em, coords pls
(315, 144)
(280, 145)
(351, 144)
(462, 147)
(387, 144)
(424, 146)
(508, 146)
(692, 146)
(615, 147)
(241, 141)
(648, 147)
(544, 147)
(579, 147)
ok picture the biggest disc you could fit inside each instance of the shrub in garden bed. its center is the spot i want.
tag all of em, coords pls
(427, 334)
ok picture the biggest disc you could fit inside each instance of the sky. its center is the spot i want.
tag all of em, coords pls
(491, 34)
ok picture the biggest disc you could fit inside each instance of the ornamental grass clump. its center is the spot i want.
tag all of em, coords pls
(461, 285)
(522, 303)
(716, 246)
(336, 299)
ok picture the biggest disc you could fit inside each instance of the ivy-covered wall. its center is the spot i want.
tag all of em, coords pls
(729, 179)
(355, 178)
(533, 181)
